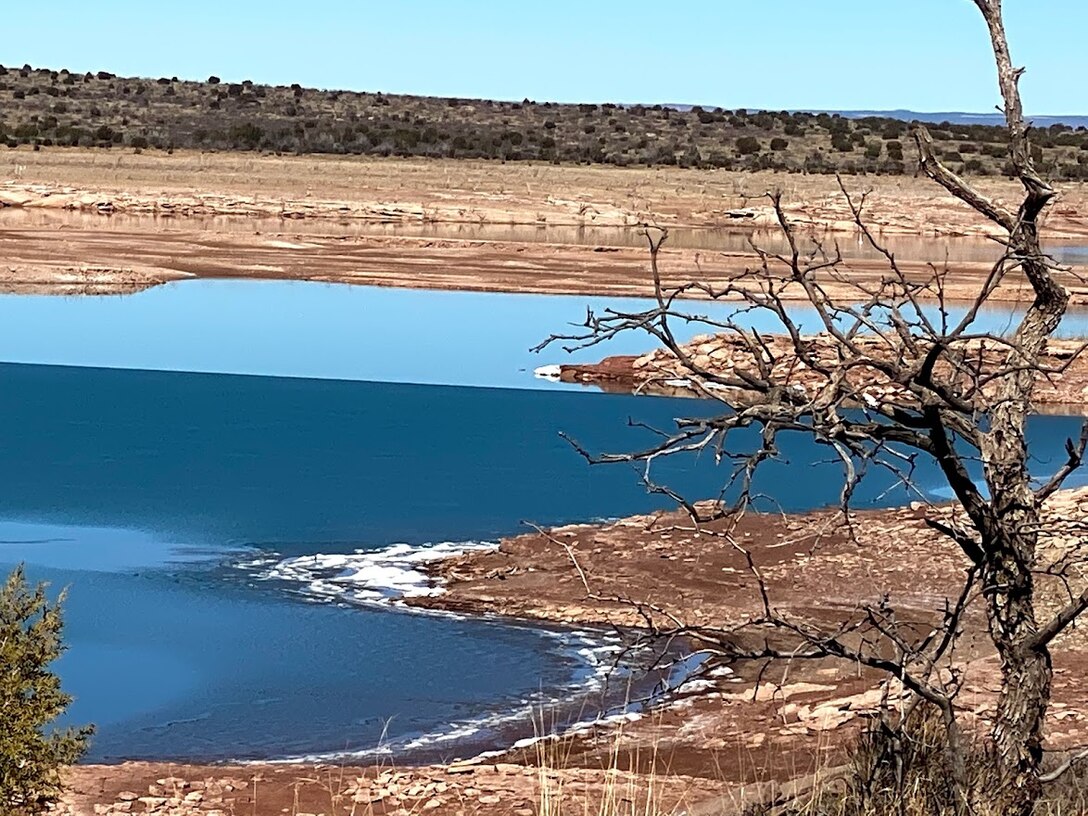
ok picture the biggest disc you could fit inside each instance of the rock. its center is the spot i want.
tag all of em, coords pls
(15, 198)
(128, 796)
(489, 799)
(431, 804)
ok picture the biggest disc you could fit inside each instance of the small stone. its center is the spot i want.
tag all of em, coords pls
(128, 796)
(431, 804)
(489, 799)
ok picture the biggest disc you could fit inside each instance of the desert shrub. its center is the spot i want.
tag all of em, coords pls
(31, 699)
(246, 136)
(873, 150)
(842, 142)
(778, 143)
(748, 145)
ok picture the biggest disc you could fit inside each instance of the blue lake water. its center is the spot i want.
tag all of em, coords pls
(146, 492)
(337, 331)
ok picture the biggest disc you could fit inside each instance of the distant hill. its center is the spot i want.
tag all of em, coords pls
(43, 107)
(1074, 121)
(962, 118)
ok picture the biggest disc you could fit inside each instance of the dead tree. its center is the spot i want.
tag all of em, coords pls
(888, 379)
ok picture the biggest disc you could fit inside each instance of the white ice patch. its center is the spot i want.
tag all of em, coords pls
(548, 372)
(365, 576)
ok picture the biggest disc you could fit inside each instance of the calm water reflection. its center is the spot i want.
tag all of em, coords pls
(337, 331)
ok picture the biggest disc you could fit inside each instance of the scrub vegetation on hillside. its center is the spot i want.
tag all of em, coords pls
(48, 107)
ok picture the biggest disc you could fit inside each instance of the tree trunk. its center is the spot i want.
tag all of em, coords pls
(1025, 669)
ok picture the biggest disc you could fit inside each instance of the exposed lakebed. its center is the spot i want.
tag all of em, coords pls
(209, 524)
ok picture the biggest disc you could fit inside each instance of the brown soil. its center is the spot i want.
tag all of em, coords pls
(505, 789)
(659, 569)
(191, 193)
(661, 372)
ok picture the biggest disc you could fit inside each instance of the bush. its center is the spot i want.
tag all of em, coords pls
(872, 150)
(842, 142)
(748, 145)
(778, 143)
(31, 699)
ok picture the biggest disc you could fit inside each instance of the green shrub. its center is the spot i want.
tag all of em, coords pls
(31, 699)
(778, 143)
(842, 142)
(748, 145)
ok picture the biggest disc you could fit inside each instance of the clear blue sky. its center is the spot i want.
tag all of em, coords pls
(834, 54)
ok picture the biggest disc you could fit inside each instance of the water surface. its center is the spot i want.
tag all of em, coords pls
(339, 331)
(151, 491)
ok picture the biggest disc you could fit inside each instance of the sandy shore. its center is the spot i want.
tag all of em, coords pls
(210, 215)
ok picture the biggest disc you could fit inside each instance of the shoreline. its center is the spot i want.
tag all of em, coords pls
(125, 263)
(475, 191)
(222, 215)
(660, 373)
(726, 736)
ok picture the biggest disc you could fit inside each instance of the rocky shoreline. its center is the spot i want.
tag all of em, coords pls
(725, 737)
(202, 216)
(660, 372)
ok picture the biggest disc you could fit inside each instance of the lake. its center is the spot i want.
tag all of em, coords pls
(199, 517)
